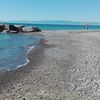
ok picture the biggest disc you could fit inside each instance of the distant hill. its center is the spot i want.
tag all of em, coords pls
(58, 22)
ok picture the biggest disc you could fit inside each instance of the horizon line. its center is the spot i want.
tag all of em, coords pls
(51, 20)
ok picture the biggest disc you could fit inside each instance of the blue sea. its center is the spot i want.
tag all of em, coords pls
(60, 27)
(64, 27)
(14, 49)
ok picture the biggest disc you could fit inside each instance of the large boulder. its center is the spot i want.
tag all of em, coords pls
(2, 27)
(13, 29)
(9, 28)
(19, 27)
(6, 28)
(27, 29)
(30, 29)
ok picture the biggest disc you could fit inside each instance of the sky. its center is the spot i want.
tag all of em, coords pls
(36, 10)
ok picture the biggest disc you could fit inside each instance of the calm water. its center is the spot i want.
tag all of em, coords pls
(65, 27)
(14, 49)
(62, 27)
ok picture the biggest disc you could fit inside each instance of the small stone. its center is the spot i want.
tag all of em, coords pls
(29, 93)
(19, 96)
(19, 89)
(86, 62)
(43, 91)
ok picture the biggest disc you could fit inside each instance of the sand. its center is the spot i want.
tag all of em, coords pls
(64, 66)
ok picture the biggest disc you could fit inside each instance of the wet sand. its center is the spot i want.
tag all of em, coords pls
(64, 66)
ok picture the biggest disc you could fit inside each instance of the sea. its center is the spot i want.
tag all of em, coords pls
(14, 48)
(59, 26)
(65, 27)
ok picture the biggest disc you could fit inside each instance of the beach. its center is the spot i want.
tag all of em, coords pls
(65, 65)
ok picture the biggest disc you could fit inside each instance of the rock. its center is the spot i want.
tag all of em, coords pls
(27, 29)
(13, 29)
(19, 27)
(30, 29)
(19, 89)
(19, 97)
(2, 27)
(6, 28)
(43, 92)
(36, 29)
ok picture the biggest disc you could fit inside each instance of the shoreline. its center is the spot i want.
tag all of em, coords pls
(28, 50)
(6, 77)
(63, 66)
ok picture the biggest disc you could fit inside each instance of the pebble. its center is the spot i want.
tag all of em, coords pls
(43, 91)
(19, 89)
(19, 96)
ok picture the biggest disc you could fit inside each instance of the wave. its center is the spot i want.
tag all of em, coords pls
(30, 48)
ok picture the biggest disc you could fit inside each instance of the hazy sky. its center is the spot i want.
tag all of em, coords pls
(70, 10)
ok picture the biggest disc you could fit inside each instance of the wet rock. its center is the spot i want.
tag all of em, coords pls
(36, 29)
(13, 29)
(1, 28)
(10, 28)
(19, 27)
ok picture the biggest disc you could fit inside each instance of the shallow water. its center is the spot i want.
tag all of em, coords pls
(14, 49)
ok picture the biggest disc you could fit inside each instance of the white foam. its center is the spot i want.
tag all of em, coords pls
(30, 48)
(27, 61)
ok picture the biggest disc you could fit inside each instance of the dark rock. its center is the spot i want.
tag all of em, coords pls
(2, 27)
(19, 27)
(36, 29)
(13, 29)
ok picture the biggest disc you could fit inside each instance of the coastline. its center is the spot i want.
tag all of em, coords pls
(65, 65)
(10, 75)
(23, 60)
(29, 49)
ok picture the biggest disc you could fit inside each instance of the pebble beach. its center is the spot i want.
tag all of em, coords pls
(64, 66)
